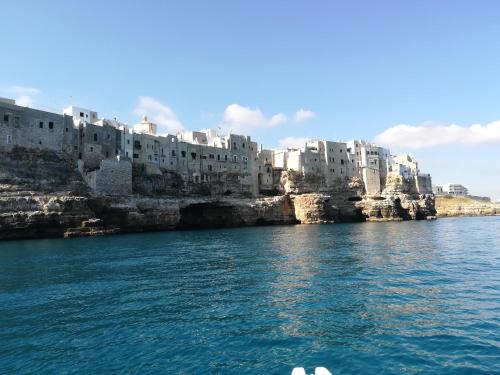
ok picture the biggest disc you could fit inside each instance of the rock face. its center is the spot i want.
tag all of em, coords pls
(43, 195)
(321, 208)
(448, 206)
(398, 207)
(315, 209)
(147, 214)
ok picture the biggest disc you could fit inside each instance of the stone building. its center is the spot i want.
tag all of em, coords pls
(32, 128)
(107, 150)
(97, 143)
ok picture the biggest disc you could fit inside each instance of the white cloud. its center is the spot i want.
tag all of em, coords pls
(158, 113)
(239, 119)
(24, 96)
(416, 137)
(303, 115)
(278, 119)
(293, 142)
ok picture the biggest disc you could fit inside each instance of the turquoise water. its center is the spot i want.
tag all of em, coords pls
(373, 298)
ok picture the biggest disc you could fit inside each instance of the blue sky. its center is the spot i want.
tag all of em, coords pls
(356, 69)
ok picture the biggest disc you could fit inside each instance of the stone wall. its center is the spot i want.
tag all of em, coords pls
(424, 184)
(105, 179)
(164, 182)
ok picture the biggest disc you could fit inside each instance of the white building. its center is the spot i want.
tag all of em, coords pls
(81, 115)
(455, 189)
(437, 190)
(145, 127)
(403, 164)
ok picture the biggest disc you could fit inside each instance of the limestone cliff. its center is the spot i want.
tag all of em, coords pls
(323, 208)
(42, 194)
(448, 206)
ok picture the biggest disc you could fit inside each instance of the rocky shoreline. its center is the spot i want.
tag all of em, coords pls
(43, 195)
(65, 215)
(464, 206)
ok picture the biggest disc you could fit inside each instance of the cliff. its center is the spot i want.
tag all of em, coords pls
(42, 194)
(448, 206)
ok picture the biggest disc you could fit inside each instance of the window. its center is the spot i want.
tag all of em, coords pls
(193, 155)
(51, 125)
(128, 141)
(136, 156)
(40, 124)
(211, 156)
(150, 157)
(225, 157)
(95, 137)
(108, 136)
(75, 148)
(173, 153)
(81, 114)
(342, 161)
(235, 158)
(183, 153)
(67, 130)
(218, 156)
(126, 154)
(9, 139)
(107, 154)
(210, 168)
(6, 117)
(92, 149)
(39, 142)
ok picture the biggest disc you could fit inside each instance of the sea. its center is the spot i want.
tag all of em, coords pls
(419, 297)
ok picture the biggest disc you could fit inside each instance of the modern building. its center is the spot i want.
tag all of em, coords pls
(455, 189)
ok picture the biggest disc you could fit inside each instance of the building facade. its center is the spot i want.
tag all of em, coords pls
(201, 157)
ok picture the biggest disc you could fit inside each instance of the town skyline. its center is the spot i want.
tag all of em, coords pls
(420, 78)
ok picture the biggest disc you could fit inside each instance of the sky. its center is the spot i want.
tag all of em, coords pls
(420, 77)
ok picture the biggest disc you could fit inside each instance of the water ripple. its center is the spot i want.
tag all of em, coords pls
(413, 298)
